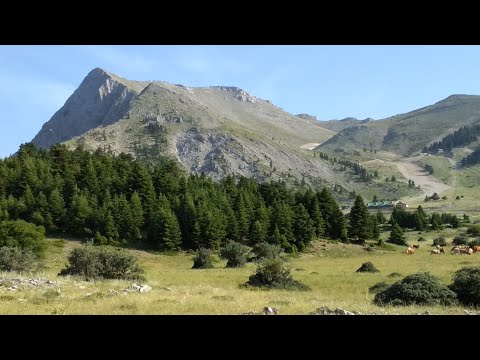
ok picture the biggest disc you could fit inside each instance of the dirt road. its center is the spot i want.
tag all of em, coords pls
(411, 169)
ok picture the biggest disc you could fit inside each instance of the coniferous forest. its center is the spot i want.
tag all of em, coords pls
(117, 200)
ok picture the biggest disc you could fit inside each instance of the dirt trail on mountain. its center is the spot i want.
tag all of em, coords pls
(411, 169)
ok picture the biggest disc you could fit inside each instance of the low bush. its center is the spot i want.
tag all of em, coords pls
(378, 287)
(416, 289)
(23, 235)
(265, 250)
(368, 267)
(103, 262)
(272, 273)
(15, 259)
(235, 254)
(473, 230)
(460, 240)
(203, 259)
(439, 241)
(466, 284)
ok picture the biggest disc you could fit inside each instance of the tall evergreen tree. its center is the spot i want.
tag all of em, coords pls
(137, 215)
(303, 229)
(164, 232)
(397, 236)
(57, 210)
(335, 223)
(360, 228)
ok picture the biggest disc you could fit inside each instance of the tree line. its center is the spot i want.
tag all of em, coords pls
(117, 200)
(461, 137)
(472, 159)
(357, 169)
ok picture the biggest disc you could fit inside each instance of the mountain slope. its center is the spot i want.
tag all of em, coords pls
(216, 130)
(339, 125)
(407, 133)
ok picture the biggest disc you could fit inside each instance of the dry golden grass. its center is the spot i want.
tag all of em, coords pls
(328, 268)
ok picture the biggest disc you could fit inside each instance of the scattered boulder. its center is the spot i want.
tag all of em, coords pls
(140, 288)
(16, 284)
(324, 310)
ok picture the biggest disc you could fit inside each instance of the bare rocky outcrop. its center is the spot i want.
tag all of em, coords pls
(16, 284)
(101, 99)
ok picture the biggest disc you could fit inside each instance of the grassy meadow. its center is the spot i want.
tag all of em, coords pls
(328, 268)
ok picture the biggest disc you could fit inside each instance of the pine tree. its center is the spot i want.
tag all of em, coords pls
(258, 233)
(29, 201)
(375, 227)
(232, 224)
(187, 220)
(78, 215)
(164, 231)
(303, 229)
(122, 214)
(397, 236)
(380, 218)
(335, 223)
(109, 228)
(282, 218)
(137, 215)
(317, 218)
(57, 210)
(242, 218)
(360, 228)
(455, 222)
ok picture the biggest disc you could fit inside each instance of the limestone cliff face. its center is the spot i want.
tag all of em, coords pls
(101, 99)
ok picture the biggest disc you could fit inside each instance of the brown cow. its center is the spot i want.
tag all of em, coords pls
(410, 250)
(476, 249)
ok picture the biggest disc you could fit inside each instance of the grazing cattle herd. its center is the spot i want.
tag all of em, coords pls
(457, 249)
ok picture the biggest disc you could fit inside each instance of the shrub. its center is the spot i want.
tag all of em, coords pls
(24, 235)
(420, 289)
(466, 283)
(271, 273)
(475, 242)
(439, 241)
(203, 259)
(421, 238)
(378, 287)
(368, 267)
(102, 262)
(235, 254)
(473, 230)
(460, 240)
(394, 274)
(14, 259)
(264, 250)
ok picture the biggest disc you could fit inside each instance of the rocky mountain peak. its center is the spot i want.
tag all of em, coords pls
(238, 94)
(101, 99)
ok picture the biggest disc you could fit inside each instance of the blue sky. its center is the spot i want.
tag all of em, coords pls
(330, 82)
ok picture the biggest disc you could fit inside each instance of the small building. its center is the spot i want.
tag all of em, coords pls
(380, 205)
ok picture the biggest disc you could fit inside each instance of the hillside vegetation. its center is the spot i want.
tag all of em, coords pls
(409, 133)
